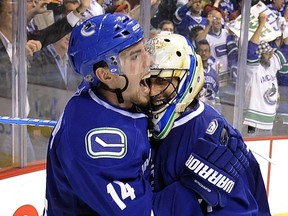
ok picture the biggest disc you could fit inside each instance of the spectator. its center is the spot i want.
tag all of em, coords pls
(282, 112)
(166, 25)
(51, 82)
(68, 6)
(6, 36)
(237, 12)
(94, 9)
(261, 87)
(36, 40)
(211, 83)
(189, 16)
(165, 11)
(188, 132)
(278, 6)
(62, 27)
(222, 43)
(193, 34)
(123, 8)
(35, 9)
(7, 65)
(50, 67)
(135, 12)
(46, 36)
(225, 7)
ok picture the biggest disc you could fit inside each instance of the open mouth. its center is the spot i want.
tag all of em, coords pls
(157, 104)
(144, 84)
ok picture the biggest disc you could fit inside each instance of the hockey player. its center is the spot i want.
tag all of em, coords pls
(99, 152)
(183, 124)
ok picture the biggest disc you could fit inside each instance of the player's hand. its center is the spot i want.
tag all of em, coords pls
(217, 160)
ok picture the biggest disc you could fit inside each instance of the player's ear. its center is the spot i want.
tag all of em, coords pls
(104, 74)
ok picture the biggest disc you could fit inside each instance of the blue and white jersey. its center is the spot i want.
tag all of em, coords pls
(280, 12)
(98, 161)
(282, 78)
(227, 7)
(261, 88)
(223, 49)
(249, 195)
(184, 21)
(211, 84)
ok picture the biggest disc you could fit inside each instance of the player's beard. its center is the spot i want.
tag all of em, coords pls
(140, 101)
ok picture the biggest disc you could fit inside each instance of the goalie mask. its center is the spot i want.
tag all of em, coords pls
(178, 69)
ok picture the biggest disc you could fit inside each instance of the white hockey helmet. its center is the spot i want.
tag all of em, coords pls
(173, 56)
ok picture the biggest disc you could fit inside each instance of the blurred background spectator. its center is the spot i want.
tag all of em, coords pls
(211, 84)
(261, 86)
(122, 8)
(165, 11)
(222, 43)
(278, 6)
(166, 25)
(193, 34)
(189, 16)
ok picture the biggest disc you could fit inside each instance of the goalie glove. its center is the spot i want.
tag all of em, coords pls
(216, 161)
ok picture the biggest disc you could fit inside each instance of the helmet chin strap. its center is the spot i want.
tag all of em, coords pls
(117, 91)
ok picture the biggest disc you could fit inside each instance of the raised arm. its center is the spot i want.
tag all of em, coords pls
(257, 34)
(59, 29)
(40, 8)
(202, 35)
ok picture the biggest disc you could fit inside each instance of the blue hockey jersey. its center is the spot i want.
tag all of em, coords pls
(184, 21)
(248, 196)
(98, 161)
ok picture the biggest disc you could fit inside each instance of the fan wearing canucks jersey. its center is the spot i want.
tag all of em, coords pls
(194, 147)
(262, 91)
(222, 44)
(189, 16)
(282, 112)
(211, 84)
(98, 160)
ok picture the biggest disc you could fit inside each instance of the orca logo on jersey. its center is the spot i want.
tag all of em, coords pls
(209, 174)
(270, 95)
(106, 143)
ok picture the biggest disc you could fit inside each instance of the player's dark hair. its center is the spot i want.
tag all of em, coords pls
(100, 64)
